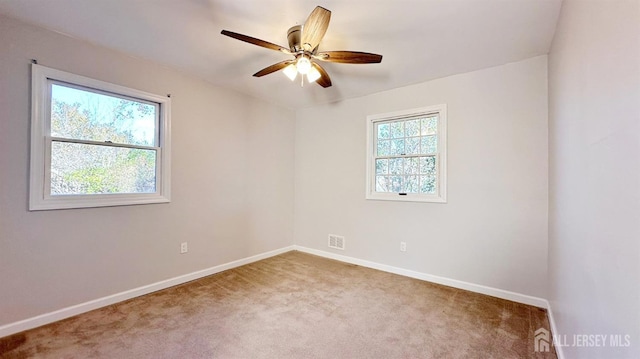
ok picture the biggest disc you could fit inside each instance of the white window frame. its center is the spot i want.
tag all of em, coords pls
(40, 197)
(441, 156)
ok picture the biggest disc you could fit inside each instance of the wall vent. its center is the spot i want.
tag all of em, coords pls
(336, 241)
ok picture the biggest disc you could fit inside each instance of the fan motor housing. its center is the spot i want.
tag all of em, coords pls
(294, 35)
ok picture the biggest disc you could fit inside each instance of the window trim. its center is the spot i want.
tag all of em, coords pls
(40, 156)
(441, 156)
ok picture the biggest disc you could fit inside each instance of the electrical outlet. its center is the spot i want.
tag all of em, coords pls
(403, 246)
(183, 248)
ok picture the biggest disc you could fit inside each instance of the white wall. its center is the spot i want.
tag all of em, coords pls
(232, 192)
(492, 231)
(594, 135)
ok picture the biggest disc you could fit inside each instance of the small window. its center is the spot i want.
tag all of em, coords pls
(96, 144)
(407, 155)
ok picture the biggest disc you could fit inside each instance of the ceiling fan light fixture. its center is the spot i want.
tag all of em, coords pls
(303, 65)
(291, 71)
(313, 75)
(303, 46)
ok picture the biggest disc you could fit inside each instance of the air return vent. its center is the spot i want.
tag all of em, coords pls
(336, 241)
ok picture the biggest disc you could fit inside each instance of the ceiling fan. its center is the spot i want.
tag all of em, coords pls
(303, 45)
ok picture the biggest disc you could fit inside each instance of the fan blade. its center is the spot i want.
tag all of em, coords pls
(314, 28)
(348, 57)
(253, 40)
(273, 68)
(324, 80)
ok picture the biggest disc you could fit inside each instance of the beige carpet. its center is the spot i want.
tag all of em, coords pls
(294, 305)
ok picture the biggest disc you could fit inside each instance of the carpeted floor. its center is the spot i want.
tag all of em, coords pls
(294, 305)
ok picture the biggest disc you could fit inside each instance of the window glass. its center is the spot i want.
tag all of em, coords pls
(78, 168)
(401, 159)
(87, 115)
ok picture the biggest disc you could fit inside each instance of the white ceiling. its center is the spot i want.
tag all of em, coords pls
(420, 39)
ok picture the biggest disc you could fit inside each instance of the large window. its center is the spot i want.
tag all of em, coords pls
(96, 144)
(407, 155)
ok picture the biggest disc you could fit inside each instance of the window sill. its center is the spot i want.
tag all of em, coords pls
(406, 198)
(92, 201)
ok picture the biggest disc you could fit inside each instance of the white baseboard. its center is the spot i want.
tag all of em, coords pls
(67, 312)
(554, 330)
(494, 292)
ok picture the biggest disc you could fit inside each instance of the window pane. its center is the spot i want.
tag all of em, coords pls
(429, 126)
(412, 145)
(429, 144)
(396, 184)
(382, 184)
(411, 184)
(411, 165)
(382, 166)
(396, 166)
(412, 128)
(397, 129)
(428, 165)
(384, 131)
(384, 148)
(90, 169)
(428, 184)
(85, 115)
(397, 147)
